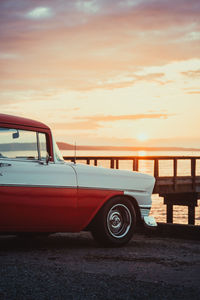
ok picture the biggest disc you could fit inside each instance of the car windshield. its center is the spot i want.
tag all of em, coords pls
(18, 144)
(22, 144)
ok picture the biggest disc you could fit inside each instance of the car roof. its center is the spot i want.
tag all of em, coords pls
(8, 119)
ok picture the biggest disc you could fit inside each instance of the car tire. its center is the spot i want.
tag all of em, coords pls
(115, 223)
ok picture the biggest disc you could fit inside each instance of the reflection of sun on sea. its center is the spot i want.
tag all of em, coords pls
(142, 153)
(142, 137)
(143, 164)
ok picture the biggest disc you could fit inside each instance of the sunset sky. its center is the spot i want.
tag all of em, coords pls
(104, 72)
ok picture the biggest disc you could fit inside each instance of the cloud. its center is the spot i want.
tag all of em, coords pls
(192, 73)
(84, 45)
(90, 7)
(133, 79)
(111, 118)
(193, 92)
(145, 14)
(82, 125)
(151, 77)
(8, 56)
(95, 122)
(39, 13)
(23, 96)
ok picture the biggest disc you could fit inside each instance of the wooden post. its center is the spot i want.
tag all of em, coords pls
(88, 161)
(135, 164)
(117, 163)
(169, 213)
(191, 214)
(95, 162)
(112, 163)
(175, 172)
(156, 168)
(183, 199)
(193, 172)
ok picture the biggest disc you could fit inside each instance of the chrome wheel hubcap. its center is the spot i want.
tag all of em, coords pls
(119, 220)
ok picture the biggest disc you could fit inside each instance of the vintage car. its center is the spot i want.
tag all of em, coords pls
(41, 193)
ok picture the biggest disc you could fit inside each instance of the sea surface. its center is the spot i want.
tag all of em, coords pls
(165, 169)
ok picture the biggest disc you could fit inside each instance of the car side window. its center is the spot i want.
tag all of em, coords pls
(22, 144)
(42, 145)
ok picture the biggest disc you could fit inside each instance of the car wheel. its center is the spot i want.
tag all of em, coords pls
(114, 224)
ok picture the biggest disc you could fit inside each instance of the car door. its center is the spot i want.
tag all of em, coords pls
(34, 195)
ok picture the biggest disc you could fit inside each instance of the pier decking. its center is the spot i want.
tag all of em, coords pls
(175, 189)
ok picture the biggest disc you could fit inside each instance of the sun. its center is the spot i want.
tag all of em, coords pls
(142, 137)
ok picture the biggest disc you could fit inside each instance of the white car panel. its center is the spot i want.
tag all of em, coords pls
(97, 177)
(33, 173)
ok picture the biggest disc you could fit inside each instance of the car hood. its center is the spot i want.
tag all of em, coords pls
(98, 177)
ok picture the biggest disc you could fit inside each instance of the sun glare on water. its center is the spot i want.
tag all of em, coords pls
(142, 153)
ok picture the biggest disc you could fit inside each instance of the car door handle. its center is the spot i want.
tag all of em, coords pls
(5, 165)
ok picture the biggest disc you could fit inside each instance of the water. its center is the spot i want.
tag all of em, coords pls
(165, 169)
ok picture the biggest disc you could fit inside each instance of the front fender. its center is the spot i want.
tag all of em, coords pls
(143, 200)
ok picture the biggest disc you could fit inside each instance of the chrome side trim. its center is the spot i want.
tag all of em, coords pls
(55, 186)
(112, 189)
(79, 187)
(45, 186)
(135, 191)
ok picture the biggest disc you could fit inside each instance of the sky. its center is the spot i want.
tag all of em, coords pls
(104, 72)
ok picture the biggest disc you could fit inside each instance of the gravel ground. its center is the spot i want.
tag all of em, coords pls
(71, 266)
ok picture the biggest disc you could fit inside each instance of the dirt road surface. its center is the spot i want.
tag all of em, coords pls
(72, 266)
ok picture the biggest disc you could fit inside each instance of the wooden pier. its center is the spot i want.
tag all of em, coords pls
(175, 189)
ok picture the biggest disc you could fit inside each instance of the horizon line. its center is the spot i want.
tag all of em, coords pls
(66, 146)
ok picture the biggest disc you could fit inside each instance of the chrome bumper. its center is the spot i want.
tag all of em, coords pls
(149, 221)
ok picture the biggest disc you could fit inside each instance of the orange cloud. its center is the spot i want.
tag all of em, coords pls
(192, 73)
(93, 122)
(111, 118)
(193, 92)
(73, 46)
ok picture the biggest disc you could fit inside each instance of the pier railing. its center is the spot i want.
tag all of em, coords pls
(177, 189)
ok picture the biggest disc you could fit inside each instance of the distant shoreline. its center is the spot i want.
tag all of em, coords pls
(65, 146)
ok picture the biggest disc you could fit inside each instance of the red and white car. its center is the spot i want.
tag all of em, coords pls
(41, 193)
